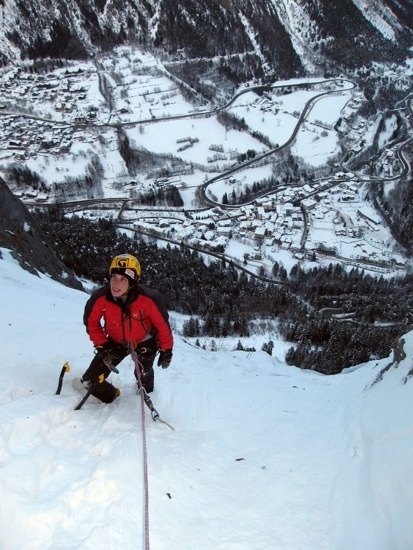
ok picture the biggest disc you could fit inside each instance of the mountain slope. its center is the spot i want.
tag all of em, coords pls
(283, 36)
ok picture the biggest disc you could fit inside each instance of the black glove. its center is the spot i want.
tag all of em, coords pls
(165, 358)
(105, 352)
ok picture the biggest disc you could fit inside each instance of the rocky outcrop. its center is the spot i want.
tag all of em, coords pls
(20, 233)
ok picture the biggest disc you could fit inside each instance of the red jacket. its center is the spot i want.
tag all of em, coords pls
(143, 314)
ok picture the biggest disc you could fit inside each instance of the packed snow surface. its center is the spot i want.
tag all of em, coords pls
(263, 455)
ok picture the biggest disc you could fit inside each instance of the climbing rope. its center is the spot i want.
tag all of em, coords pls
(144, 447)
(145, 400)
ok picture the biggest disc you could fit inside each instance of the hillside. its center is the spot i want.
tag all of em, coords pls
(277, 38)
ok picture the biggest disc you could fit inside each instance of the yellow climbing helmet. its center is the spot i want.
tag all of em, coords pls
(127, 265)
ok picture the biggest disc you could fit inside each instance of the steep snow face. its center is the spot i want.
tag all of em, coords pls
(301, 20)
(301, 28)
(154, 20)
(249, 31)
(380, 17)
(263, 455)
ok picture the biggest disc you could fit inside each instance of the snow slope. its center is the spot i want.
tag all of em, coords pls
(263, 456)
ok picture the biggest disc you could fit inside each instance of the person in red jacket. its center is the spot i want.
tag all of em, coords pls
(121, 316)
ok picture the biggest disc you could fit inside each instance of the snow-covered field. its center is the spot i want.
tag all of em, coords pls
(263, 456)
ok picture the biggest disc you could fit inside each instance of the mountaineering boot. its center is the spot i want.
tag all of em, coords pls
(104, 391)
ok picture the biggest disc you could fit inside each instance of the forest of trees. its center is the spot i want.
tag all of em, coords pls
(221, 300)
